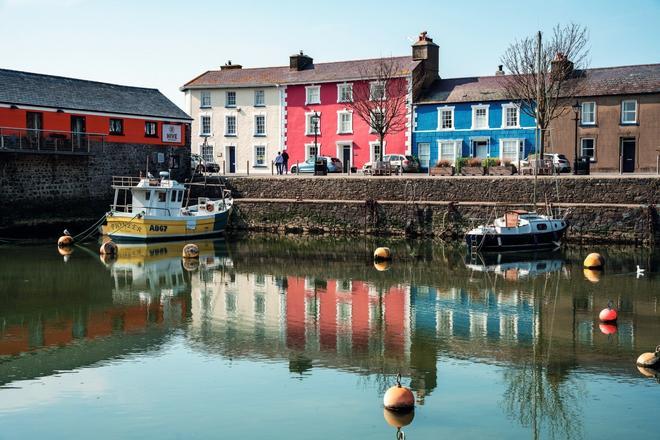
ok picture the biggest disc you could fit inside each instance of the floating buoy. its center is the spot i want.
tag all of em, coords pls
(65, 251)
(607, 329)
(190, 264)
(648, 372)
(398, 419)
(108, 248)
(65, 240)
(609, 314)
(108, 259)
(382, 254)
(594, 261)
(191, 250)
(649, 359)
(382, 266)
(398, 398)
(592, 275)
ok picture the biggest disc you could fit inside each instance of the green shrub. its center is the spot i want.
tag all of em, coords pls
(460, 163)
(490, 162)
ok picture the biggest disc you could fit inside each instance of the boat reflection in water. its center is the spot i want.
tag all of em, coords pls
(515, 266)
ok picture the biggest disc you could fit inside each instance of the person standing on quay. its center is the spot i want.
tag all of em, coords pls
(279, 163)
(285, 161)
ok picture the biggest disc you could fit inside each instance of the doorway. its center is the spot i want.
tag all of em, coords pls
(480, 148)
(231, 155)
(78, 131)
(346, 158)
(34, 124)
(628, 155)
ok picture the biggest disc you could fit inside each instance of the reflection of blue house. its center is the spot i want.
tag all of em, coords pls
(470, 117)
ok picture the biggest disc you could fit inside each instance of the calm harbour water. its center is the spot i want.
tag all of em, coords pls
(299, 338)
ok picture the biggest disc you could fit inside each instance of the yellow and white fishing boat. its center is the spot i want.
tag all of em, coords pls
(153, 209)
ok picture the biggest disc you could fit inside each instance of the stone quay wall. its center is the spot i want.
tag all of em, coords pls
(40, 190)
(598, 209)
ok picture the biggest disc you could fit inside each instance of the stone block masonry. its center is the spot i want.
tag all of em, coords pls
(600, 209)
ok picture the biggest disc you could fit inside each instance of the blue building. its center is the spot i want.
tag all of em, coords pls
(470, 117)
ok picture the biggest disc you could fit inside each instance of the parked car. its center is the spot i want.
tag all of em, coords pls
(404, 163)
(332, 164)
(199, 165)
(560, 162)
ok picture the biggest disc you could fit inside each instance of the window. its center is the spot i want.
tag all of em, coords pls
(180, 196)
(588, 148)
(147, 195)
(588, 113)
(259, 98)
(205, 125)
(116, 126)
(151, 129)
(629, 112)
(311, 151)
(377, 152)
(230, 99)
(207, 153)
(230, 125)
(377, 91)
(206, 99)
(260, 125)
(344, 92)
(479, 116)
(424, 153)
(344, 122)
(376, 120)
(313, 95)
(162, 196)
(541, 226)
(509, 150)
(510, 115)
(446, 115)
(260, 156)
(312, 123)
(173, 196)
(447, 151)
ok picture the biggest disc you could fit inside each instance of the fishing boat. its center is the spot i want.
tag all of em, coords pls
(517, 230)
(146, 209)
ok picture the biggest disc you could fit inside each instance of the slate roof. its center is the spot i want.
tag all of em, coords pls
(270, 76)
(621, 80)
(35, 89)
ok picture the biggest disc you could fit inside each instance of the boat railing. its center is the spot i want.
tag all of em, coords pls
(125, 181)
(123, 208)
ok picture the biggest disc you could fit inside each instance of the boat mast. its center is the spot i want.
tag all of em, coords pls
(538, 100)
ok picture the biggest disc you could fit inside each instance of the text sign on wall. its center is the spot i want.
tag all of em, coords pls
(171, 133)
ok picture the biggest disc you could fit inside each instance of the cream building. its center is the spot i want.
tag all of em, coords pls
(237, 122)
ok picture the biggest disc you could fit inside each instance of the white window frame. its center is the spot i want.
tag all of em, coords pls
(372, 84)
(263, 96)
(419, 156)
(454, 144)
(340, 149)
(582, 113)
(340, 88)
(308, 124)
(474, 114)
(636, 111)
(201, 151)
(505, 109)
(205, 94)
(582, 139)
(235, 133)
(441, 110)
(372, 145)
(256, 133)
(254, 156)
(340, 113)
(318, 94)
(310, 146)
(227, 104)
(201, 124)
(518, 142)
(375, 110)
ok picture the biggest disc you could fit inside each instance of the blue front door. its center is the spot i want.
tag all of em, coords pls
(232, 159)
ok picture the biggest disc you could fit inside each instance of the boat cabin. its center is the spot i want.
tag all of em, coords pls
(155, 197)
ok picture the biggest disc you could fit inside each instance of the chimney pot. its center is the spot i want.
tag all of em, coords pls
(500, 70)
(300, 61)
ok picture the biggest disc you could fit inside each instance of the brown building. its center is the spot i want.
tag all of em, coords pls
(618, 120)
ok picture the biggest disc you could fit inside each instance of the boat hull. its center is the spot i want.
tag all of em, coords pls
(515, 242)
(123, 228)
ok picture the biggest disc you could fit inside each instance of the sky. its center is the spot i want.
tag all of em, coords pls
(163, 44)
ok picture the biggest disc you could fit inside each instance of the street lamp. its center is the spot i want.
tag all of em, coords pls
(315, 124)
(576, 110)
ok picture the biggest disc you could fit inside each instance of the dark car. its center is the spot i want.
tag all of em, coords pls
(404, 163)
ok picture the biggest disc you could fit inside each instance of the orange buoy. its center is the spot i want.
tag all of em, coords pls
(382, 266)
(648, 372)
(594, 261)
(108, 248)
(609, 314)
(398, 419)
(592, 275)
(190, 264)
(398, 398)
(191, 250)
(649, 359)
(65, 251)
(382, 254)
(607, 329)
(65, 240)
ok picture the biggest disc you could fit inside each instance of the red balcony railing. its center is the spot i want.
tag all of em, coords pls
(55, 141)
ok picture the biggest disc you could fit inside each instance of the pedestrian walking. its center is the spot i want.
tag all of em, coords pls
(279, 163)
(285, 162)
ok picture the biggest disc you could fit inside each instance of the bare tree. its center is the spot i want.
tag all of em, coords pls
(544, 76)
(380, 97)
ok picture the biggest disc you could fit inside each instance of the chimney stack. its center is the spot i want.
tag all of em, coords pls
(229, 66)
(561, 67)
(300, 61)
(500, 70)
(426, 51)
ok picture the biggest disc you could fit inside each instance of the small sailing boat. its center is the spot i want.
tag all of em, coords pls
(153, 209)
(518, 230)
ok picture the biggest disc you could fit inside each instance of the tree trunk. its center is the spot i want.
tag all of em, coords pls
(381, 137)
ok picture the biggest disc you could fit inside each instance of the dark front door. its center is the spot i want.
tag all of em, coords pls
(78, 129)
(346, 158)
(34, 124)
(628, 155)
(232, 159)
